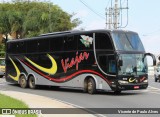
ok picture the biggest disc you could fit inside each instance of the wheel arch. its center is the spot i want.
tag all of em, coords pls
(22, 74)
(86, 80)
(31, 74)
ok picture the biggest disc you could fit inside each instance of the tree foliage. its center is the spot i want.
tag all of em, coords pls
(23, 18)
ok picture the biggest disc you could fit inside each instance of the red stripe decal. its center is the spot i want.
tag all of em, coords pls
(61, 80)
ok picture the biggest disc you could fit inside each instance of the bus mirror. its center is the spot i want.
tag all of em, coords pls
(153, 57)
(120, 62)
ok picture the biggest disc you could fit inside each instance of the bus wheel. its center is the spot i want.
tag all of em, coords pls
(91, 86)
(31, 82)
(85, 89)
(23, 81)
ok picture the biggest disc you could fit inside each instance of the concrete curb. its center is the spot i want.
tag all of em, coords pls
(36, 101)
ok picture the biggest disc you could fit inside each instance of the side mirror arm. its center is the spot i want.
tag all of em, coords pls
(153, 57)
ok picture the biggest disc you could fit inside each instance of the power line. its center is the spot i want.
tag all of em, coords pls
(151, 33)
(92, 9)
(108, 3)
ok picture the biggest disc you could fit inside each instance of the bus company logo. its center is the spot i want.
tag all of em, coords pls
(131, 80)
(86, 40)
(6, 112)
(67, 63)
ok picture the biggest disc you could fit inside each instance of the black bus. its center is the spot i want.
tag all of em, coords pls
(89, 60)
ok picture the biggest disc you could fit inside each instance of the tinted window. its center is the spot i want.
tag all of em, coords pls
(103, 41)
(12, 48)
(21, 47)
(135, 41)
(107, 63)
(32, 46)
(43, 45)
(127, 41)
(85, 41)
(70, 43)
(57, 44)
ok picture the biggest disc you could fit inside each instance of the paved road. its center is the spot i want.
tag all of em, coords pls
(128, 99)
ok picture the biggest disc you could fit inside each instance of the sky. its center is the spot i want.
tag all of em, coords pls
(144, 18)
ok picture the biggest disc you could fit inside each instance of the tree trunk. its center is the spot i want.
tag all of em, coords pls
(14, 35)
(1, 38)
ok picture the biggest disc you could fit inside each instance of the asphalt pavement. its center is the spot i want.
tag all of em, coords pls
(148, 98)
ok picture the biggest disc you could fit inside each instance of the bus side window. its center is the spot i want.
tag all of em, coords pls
(112, 64)
(12, 47)
(103, 41)
(43, 45)
(57, 44)
(70, 43)
(21, 48)
(103, 62)
(107, 63)
(85, 41)
(32, 46)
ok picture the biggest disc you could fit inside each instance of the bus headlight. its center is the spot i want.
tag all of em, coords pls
(145, 81)
(122, 82)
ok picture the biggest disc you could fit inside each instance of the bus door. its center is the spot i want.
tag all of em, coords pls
(107, 64)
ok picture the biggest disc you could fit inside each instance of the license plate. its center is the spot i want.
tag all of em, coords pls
(136, 87)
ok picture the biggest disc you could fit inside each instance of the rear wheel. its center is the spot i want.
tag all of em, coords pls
(85, 90)
(23, 81)
(91, 86)
(31, 82)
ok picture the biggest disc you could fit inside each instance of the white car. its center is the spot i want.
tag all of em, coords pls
(157, 73)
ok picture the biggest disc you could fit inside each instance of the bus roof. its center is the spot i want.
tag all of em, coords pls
(69, 32)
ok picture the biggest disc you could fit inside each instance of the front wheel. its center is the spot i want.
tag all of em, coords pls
(31, 82)
(22, 81)
(91, 86)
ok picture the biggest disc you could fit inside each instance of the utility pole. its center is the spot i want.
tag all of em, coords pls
(114, 15)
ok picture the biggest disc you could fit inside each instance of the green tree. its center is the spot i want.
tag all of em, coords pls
(26, 19)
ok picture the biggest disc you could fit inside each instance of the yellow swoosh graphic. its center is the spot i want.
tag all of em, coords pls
(51, 70)
(17, 71)
(130, 80)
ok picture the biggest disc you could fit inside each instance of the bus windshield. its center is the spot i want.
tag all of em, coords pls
(127, 41)
(133, 64)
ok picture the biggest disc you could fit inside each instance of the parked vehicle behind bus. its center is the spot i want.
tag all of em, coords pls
(157, 72)
(89, 60)
(2, 67)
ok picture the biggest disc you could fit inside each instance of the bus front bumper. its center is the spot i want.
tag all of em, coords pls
(132, 86)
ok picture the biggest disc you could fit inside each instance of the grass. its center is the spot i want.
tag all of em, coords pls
(9, 102)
